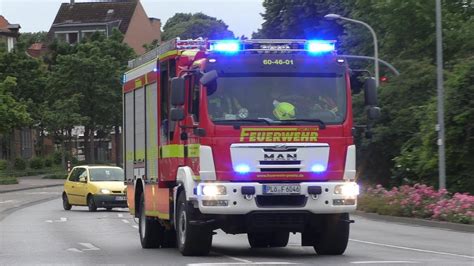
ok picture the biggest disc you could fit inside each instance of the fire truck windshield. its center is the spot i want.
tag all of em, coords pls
(278, 99)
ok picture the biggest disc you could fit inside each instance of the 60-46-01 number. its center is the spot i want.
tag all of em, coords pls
(278, 62)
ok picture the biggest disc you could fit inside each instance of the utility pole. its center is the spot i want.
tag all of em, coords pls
(440, 92)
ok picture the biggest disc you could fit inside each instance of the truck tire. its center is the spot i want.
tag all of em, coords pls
(91, 203)
(150, 230)
(169, 239)
(192, 240)
(335, 235)
(268, 239)
(66, 205)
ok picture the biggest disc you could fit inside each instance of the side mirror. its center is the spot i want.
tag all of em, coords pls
(209, 77)
(373, 113)
(176, 114)
(82, 179)
(370, 91)
(177, 91)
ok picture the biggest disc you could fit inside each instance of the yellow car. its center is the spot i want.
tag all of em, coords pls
(95, 187)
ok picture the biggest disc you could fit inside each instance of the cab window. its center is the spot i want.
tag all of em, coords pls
(74, 177)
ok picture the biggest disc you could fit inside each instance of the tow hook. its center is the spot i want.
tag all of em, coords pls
(348, 221)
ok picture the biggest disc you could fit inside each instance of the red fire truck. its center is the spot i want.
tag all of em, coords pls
(247, 136)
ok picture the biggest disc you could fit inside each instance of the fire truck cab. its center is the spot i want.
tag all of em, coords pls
(247, 136)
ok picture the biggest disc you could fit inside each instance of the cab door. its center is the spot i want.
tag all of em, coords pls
(82, 187)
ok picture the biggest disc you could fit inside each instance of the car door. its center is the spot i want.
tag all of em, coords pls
(81, 187)
(70, 186)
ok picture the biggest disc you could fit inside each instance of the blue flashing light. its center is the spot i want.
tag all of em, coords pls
(318, 168)
(242, 169)
(155, 69)
(320, 46)
(226, 46)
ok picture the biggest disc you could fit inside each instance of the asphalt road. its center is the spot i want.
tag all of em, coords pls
(46, 234)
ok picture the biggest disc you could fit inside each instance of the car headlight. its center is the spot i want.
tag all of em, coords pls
(104, 191)
(213, 190)
(347, 190)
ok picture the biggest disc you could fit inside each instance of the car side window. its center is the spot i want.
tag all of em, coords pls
(74, 177)
(83, 174)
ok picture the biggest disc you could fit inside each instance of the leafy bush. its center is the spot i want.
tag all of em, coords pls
(19, 164)
(419, 201)
(57, 157)
(8, 180)
(48, 162)
(3, 164)
(36, 163)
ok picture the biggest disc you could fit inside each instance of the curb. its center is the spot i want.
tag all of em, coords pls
(5, 213)
(415, 221)
(27, 188)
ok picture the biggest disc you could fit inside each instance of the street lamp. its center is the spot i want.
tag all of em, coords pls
(376, 49)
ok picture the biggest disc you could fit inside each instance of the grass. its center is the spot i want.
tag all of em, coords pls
(62, 175)
(56, 169)
(8, 180)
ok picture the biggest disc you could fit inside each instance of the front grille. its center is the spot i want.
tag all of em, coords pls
(281, 200)
(277, 220)
(279, 169)
(297, 162)
(279, 150)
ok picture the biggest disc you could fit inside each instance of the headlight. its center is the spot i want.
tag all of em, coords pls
(347, 190)
(104, 191)
(213, 190)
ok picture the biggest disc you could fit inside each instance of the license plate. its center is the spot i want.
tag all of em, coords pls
(281, 189)
(120, 198)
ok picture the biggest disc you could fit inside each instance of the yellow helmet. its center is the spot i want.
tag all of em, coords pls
(284, 111)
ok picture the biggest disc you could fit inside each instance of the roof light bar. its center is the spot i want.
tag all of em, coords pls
(225, 46)
(320, 46)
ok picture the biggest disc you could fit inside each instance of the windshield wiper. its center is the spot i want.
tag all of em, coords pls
(321, 123)
(268, 121)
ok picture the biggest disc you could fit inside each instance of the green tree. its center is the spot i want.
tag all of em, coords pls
(300, 19)
(192, 26)
(12, 113)
(93, 73)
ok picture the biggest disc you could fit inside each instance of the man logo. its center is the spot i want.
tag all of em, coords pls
(280, 157)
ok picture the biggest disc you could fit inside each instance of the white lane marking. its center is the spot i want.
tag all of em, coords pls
(89, 246)
(120, 215)
(7, 201)
(383, 261)
(61, 220)
(235, 258)
(413, 249)
(74, 250)
(135, 226)
(242, 263)
(125, 221)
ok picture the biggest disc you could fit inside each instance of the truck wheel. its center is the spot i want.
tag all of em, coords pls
(334, 236)
(192, 240)
(151, 232)
(91, 204)
(279, 239)
(66, 204)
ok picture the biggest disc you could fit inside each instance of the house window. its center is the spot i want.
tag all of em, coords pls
(10, 44)
(88, 33)
(69, 37)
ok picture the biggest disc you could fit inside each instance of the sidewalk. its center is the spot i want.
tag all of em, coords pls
(31, 182)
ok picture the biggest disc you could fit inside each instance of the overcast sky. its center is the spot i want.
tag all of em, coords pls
(242, 16)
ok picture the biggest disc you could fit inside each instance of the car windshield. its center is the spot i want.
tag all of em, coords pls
(277, 99)
(106, 174)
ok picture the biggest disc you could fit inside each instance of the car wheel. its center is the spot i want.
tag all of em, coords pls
(151, 232)
(334, 236)
(66, 204)
(91, 204)
(192, 240)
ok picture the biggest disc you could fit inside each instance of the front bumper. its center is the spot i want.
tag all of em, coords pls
(238, 203)
(109, 201)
